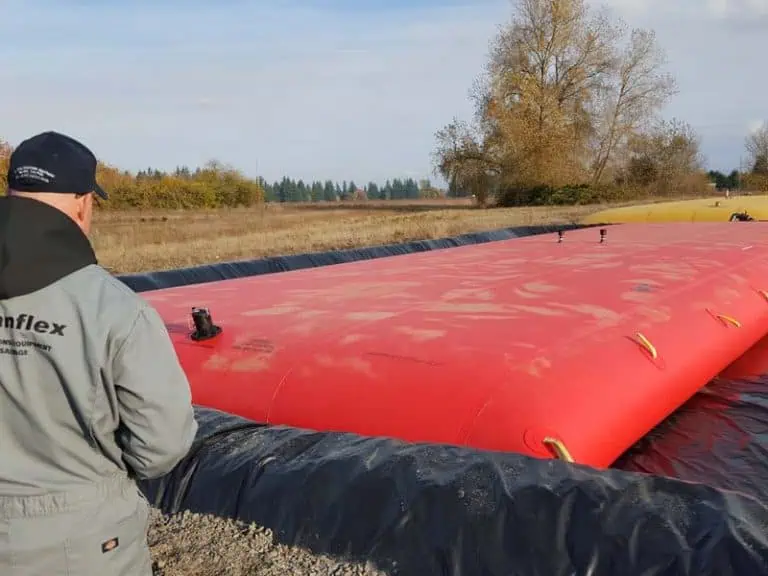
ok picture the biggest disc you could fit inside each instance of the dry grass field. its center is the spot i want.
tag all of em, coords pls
(128, 242)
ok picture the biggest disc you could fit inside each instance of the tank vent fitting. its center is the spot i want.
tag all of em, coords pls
(205, 329)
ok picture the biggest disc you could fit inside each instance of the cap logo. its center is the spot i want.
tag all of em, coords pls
(33, 173)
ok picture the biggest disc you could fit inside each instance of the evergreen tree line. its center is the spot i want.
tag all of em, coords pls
(290, 190)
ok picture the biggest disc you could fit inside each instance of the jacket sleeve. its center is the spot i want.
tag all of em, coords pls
(157, 420)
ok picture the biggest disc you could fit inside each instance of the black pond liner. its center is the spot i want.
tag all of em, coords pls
(244, 268)
(689, 499)
(423, 510)
(719, 437)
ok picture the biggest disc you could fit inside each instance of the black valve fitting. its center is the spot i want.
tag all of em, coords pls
(205, 329)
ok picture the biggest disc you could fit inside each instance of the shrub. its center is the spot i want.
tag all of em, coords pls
(562, 196)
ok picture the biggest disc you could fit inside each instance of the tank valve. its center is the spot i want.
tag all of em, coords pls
(603, 233)
(559, 236)
(741, 217)
(204, 326)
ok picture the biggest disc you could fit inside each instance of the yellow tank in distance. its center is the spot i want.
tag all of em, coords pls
(718, 209)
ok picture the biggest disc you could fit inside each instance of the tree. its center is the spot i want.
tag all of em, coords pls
(426, 190)
(465, 162)
(316, 193)
(761, 165)
(5, 155)
(411, 189)
(733, 182)
(639, 92)
(561, 95)
(668, 157)
(545, 72)
(329, 191)
(757, 149)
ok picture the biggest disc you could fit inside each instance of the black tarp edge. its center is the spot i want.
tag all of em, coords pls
(423, 510)
(243, 268)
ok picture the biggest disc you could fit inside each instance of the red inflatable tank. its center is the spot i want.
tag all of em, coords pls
(572, 347)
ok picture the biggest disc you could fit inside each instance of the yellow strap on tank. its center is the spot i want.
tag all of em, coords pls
(728, 320)
(559, 448)
(645, 343)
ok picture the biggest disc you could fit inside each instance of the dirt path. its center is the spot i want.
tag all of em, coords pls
(196, 545)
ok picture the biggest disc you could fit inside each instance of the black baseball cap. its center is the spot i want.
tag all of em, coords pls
(53, 162)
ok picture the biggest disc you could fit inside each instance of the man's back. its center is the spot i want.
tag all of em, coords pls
(91, 397)
(59, 406)
(58, 410)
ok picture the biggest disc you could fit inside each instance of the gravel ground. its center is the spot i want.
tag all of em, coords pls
(190, 544)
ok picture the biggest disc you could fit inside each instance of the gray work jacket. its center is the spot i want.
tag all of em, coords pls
(90, 385)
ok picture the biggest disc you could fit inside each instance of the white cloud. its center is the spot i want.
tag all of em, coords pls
(755, 126)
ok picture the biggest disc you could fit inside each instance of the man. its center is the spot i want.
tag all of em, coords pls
(91, 392)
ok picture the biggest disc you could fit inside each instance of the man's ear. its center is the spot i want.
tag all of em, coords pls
(81, 211)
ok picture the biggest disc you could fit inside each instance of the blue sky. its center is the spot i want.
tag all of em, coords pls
(340, 89)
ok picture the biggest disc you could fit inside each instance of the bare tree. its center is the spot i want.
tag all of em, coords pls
(640, 90)
(757, 149)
